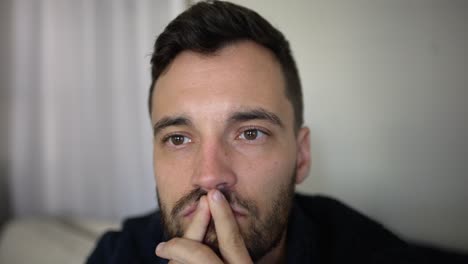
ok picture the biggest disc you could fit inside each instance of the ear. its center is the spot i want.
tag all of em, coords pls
(303, 161)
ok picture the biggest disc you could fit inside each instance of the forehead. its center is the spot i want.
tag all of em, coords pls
(240, 75)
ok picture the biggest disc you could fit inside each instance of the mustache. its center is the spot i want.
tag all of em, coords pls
(195, 195)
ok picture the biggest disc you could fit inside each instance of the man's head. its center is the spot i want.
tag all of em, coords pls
(208, 26)
(226, 107)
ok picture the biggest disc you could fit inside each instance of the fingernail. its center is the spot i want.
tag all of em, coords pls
(217, 196)
(160, 246)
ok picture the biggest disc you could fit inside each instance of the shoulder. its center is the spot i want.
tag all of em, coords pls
(134, 243)
(343, 233)
(333, 214)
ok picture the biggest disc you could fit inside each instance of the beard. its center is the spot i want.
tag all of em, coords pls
(262, 233)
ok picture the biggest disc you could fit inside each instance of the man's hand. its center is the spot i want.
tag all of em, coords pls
(190, 248)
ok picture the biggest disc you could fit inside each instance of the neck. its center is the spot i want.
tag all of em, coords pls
(276, 255)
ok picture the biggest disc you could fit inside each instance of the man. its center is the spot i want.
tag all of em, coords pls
(229, 146)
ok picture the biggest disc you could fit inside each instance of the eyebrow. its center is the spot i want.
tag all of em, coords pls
(170, 121)
(257, 113)
(240, 116)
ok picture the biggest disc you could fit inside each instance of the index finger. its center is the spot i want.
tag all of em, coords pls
(230, 240)
(197, 228)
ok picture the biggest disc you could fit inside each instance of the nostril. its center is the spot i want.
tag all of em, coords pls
(222, 186)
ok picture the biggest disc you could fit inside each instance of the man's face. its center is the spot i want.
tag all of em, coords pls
(223, 121)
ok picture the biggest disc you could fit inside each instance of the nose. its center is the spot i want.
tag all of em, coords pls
(213, 169)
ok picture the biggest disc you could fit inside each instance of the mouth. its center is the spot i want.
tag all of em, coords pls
(237, 210)
(189, 210)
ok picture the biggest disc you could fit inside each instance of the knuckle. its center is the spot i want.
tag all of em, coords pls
(173, 243)
(175, 240)
(199, 252)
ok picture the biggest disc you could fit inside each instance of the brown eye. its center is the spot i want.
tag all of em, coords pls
(178, 140)
(251, 134)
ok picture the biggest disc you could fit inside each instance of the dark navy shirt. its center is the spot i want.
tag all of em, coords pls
(320, 231)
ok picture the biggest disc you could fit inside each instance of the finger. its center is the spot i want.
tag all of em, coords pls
(186, 251)
(197, 228)
(231, 243)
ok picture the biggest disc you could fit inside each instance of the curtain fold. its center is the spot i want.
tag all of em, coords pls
(81, 138)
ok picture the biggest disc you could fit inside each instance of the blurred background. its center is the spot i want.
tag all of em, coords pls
(385, 89)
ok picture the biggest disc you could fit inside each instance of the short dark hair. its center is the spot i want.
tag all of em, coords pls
(209, 26)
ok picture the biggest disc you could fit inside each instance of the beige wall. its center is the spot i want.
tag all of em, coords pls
(386, 89)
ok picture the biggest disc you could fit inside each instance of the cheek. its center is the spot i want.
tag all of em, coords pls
(172, 178)
(261, 177)
(269, 162)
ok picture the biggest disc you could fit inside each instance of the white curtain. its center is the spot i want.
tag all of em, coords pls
(81, 138)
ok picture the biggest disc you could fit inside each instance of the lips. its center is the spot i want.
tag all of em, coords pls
(189, 209)
(236, 209)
